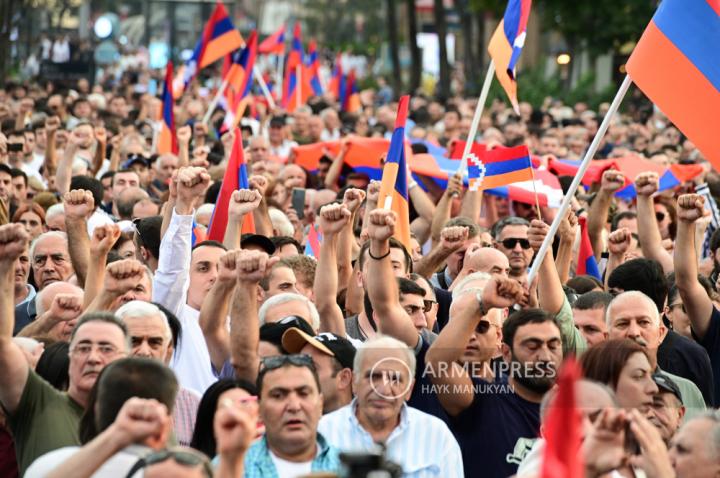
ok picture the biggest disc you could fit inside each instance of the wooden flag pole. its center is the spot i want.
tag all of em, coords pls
(578, 177)
(537, 201)
(476, 118)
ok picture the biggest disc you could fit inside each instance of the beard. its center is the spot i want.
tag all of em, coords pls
(538, 377)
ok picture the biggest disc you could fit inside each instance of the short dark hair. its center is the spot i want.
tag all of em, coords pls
(508, 221)
(106, 317)
(19, 173)
(584, 283)
(264, 371)
(603, 362)
(148, 234)
(593, 300)
(644, 275)
(394, 244)
(203, 438)
(462, 221)
(619, 217)
(523, 317)
(131, 377)
(89, 184)
(210, 243)
(281, 241)
(407, 286)
(107, 174)
(4, 168)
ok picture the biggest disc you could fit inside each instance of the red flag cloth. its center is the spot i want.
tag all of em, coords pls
(274, 44)
(167, 139)
(235, 178)
(587, 265)
(562, 457)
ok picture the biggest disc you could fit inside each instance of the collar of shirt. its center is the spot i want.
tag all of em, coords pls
(259, 464)
(402, 426)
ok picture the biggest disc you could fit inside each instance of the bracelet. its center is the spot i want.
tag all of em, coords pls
(379, 258)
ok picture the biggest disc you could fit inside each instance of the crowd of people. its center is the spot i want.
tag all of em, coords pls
(130, 345)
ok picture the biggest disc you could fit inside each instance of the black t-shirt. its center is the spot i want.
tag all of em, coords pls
(444, 299)
(711, 343)
(685, 358)
(423, 396)
(497, 430)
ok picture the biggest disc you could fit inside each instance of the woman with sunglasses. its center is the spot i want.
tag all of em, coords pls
(238, 392)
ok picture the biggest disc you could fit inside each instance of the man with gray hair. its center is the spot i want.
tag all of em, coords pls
(511, 238)
(383, 377)
(695, 448)
(151, 337)
(289, 304)
(633, 315)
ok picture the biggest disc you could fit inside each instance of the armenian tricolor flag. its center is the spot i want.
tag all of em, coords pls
(218, 39)
(274, 44)
(350, 100)
(675, 64)
(506, 45)
(587, 265)
(295, 90)
(393, 188)
(240, 79)
(167, 140)
(336, 85)
(313, 68)
(235, 178)
(499, 167)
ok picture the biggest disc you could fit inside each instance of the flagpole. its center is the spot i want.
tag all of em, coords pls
(578, 178)
(281, 75)
(476, 118)
(213, 104)
(298, 95)
(264, 87)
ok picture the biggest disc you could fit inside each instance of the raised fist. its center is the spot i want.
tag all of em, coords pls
(192, 182)
(612, 180)
(122, 276)
(201, 130)
(452, 238)
(381, 224)
(691, 207)
(536, 233)
(52, 124)
(646, 184)
(234, 429)
(619, 241)
(242, 202)
(259, 183)
(140, 419)
(65, 307)
(78, 204)
(333, 218)
(13, 241)
(184, 133)
(104, 238)
(373, 192)
(501, 292)
(568, 226)
(101, 135)
(253, 265)
(455, 185)
(353, 198)
(227, 267)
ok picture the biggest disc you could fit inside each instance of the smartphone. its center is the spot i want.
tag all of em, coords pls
(298, 202)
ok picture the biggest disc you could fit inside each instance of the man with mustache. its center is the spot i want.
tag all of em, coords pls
(633, 315)
(40, 417)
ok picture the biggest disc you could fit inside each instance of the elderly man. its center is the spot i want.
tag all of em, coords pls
(58, 306)
(33, 406)
(383, 378)
(633, 315)
(691, 453)
(483, 259)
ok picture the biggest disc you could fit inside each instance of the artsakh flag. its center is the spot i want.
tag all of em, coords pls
(167, 139)
(274, 44)
(218, 39)
(235, 178)
(562, 457)
(506, 46)
(587, 265)
(499, 167)
(313, 68)
(675, 64)
(393, 188)
(312, 242)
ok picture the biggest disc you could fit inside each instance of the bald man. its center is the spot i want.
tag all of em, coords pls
(58, 306)
(483, 259)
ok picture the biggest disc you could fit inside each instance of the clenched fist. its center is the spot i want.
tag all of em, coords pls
(78, 204)
(192, 182)
(536, 234)
(501, 292)
(373, 192)
(242, 202)
(646, 184)
(452, 238)
(619, 241)
(65, 307)
(13, 241)
(691, 207)
(104, 238)
(333, 218)
(612, 180)
(122, 276)
(381, 224)
(253, 265)
(353, 198)
(227, 267)
(258, 183)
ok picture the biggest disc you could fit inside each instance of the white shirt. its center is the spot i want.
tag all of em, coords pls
(191, 359)
(98, 218)
(61, 51)
(421, 444)
(290, 469)
(117, 465)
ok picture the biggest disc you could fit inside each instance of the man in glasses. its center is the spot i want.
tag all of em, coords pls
(41, 418)
(290, 406)
(511, 238)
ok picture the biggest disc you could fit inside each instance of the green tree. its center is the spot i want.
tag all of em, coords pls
(415, 57)
(441, 30)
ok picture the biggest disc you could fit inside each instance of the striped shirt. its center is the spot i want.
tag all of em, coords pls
(184, 415)
(421, 444)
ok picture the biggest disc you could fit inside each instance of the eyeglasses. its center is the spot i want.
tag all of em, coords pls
(428, 304)
(182, 457)
(511, 242)
(482, 327)
(659, 215)
(40, 260)
(277, 361)
(678, 304)
(84, 349)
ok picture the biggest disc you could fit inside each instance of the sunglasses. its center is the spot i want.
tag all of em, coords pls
(181, 457)
(428, 304)
(511, 242)
(278, 361)
(482, 327)
(659, 216)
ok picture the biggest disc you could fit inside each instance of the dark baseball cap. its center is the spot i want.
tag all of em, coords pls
(667, 384)
(273, 331)
(342, 349)
(277, 122)
(136, 159)
(257, 240)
